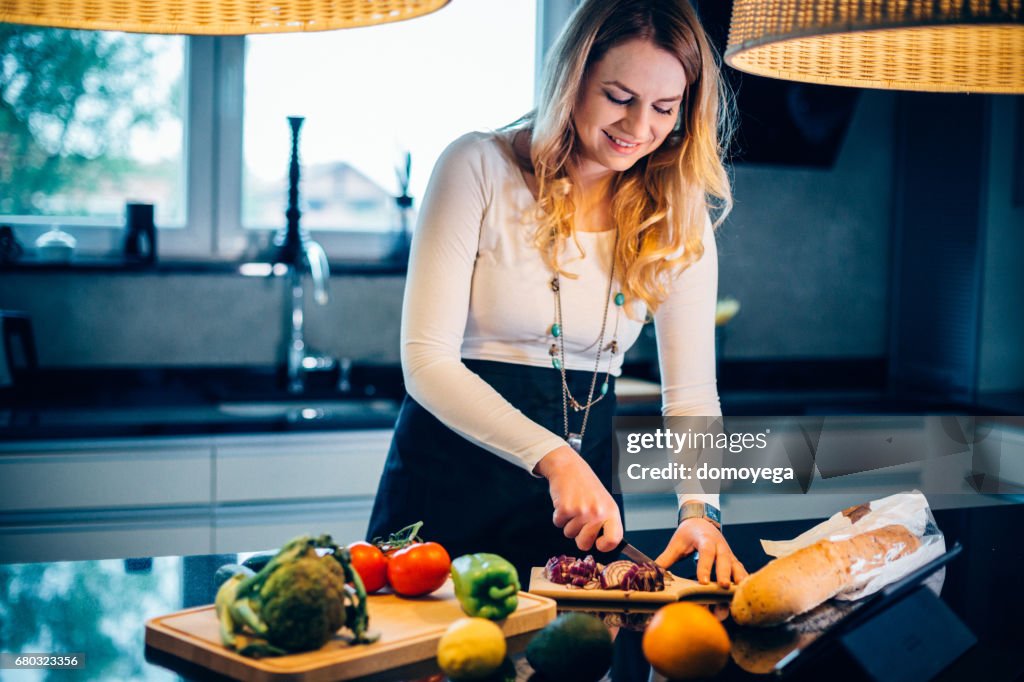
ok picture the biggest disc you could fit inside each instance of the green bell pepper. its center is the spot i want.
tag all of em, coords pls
(486, 585)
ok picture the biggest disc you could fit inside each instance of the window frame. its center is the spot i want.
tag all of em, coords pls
(213, 165)
(104, 238)
(231, 240)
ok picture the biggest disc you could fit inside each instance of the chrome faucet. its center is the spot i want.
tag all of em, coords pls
(300, 359)
(297, 250)
(318, 269)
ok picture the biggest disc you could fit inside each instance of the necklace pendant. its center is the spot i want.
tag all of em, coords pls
(575, 441)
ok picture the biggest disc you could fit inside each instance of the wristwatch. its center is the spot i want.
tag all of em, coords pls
(700, 510)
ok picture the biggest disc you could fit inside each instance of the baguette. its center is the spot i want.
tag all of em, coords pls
(795, 584)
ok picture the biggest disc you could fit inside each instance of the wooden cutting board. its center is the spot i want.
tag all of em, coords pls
(409, 628)
(676, 588)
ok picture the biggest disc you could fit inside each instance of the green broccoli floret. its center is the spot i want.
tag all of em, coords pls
(337, 593)
(296, 602)
(302, 604)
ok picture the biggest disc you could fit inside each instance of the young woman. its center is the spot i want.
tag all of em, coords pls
(540, 251)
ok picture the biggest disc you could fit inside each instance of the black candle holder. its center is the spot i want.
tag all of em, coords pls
(289, 240)
(400, 247)
(140, 233)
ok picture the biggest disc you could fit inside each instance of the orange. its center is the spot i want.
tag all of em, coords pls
(685, 641)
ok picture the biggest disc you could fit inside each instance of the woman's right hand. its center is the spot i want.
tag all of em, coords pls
(584, 509)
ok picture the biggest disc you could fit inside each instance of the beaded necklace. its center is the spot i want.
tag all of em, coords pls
(557, 353)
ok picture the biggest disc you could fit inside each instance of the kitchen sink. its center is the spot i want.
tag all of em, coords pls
(300, 410)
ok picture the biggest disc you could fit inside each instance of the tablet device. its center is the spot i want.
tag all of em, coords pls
(867, 630)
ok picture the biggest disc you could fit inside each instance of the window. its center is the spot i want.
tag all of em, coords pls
(88, 121)
(197, 126)
(369, 96)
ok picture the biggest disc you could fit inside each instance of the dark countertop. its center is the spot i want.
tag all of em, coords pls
(55, 423)
(83, 263)
(100, 607)
(144, 402)
(68, 403)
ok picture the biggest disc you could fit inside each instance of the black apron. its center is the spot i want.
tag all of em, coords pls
(471, 500)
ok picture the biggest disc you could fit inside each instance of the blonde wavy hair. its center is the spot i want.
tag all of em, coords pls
(660, 205)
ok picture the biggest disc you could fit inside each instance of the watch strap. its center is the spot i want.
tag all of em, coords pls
(700, 510)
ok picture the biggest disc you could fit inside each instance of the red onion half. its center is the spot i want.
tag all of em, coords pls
(625, 575)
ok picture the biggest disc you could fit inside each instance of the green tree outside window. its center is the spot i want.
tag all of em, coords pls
(71, 103)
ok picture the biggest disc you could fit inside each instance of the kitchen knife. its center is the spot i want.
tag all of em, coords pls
(632, 553)
(636, 556)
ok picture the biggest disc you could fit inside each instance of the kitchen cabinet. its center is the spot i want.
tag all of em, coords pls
(92, 499)
(299, 466)
(97, 498)
(236, 529)
(268, 491)
(999, 458)
(139, 497)
(106, 474)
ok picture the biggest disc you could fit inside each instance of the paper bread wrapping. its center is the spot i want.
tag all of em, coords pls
(853, 554)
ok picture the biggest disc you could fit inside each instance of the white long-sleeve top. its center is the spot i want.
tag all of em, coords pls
(478, 288)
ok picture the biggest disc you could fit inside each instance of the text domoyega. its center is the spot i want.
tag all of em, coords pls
(705, 472)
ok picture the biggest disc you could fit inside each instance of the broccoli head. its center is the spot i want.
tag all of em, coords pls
(296, 602)
(337, 593)
(302, 604)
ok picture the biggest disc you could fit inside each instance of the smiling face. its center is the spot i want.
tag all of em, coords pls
(628, 104)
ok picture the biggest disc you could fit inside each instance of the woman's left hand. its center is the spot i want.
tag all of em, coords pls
(702, 536)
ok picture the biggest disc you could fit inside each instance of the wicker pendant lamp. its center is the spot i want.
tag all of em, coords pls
(213, 17)
(930, 45)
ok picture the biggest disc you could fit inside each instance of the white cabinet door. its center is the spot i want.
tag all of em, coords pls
(92, 499)
(301, 466)
(104, 474)
(105, 540)
(267, 526)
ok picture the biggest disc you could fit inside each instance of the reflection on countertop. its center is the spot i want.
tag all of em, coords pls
(99, 608)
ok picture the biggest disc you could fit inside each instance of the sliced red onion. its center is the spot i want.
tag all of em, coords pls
(645, 577)
(588, 574)
(625, 575)
(553, 570)
(613, 573)
(567, 570)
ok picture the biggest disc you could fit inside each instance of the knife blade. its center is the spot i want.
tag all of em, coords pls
(632, 553)
(636, 556)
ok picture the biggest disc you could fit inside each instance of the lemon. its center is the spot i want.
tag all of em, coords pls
(471, 648)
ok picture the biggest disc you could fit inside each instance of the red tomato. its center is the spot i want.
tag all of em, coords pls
(371, 565)
(418, 569)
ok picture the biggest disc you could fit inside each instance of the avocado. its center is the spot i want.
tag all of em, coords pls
(257, 561)
(226, 571)
(575, 647)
